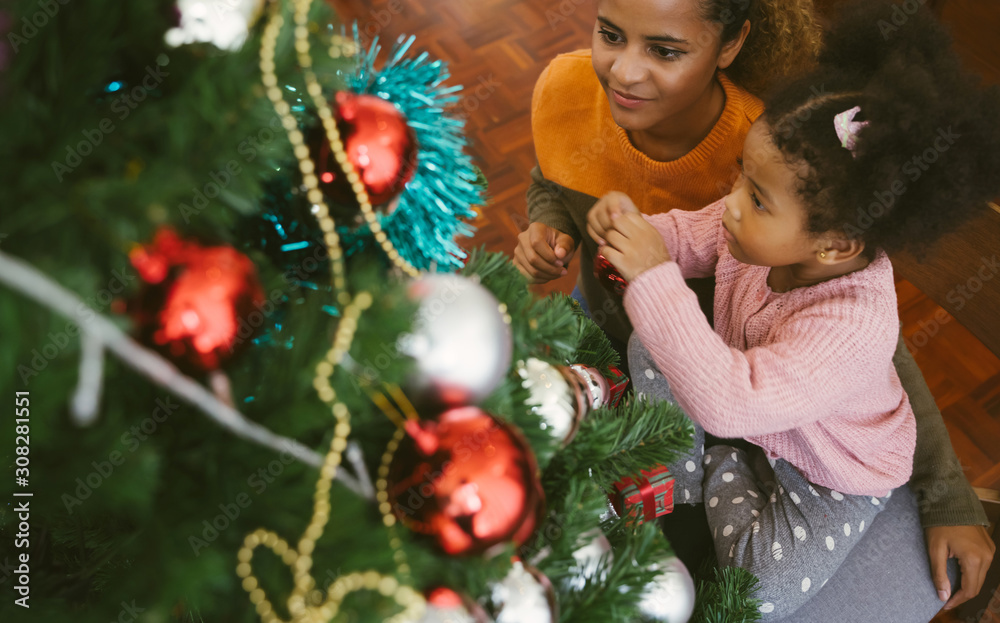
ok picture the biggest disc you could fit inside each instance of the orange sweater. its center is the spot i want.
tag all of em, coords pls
(583, 154)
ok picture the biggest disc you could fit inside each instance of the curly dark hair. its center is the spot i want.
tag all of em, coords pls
(929, 157)
(784, 38)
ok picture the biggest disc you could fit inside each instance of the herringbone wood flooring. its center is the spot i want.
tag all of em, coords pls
(497, 48)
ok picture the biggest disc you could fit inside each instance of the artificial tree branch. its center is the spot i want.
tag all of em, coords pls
(35, 284)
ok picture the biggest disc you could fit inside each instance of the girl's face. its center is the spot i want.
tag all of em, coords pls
(656, 59)
(765, 220)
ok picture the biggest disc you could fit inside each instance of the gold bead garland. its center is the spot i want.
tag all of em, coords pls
(306, 604)
(333, 136)
(385, 507)
(301, 151)
(300, 558)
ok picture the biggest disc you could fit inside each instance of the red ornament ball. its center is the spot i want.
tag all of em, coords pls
(379, 144)
(468, 480)
(197, 303)
(608, 275)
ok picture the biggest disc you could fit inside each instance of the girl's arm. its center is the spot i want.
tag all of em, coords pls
(820, 356)
(635, 243)
(693, 237)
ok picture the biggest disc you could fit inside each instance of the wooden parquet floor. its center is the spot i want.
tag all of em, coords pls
(497, 48)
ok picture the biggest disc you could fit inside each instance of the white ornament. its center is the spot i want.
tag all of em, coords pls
(521, 596)
(588, 560)
(433, 614)
(551, 397)
(669, 598)
(223, 23)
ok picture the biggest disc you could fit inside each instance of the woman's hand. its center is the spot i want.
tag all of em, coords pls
(626, 239)
(973, 548)
(543, 253)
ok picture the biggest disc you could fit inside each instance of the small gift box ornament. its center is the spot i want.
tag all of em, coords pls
(651, 497)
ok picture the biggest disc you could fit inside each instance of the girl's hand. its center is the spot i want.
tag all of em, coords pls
(633, 245)
(607, 208)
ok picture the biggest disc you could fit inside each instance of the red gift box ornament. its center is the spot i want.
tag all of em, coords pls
(651, 497)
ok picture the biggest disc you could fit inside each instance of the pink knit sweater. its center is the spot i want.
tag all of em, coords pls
(807, 374)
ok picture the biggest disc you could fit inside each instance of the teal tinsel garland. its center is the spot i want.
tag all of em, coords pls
(435, 205)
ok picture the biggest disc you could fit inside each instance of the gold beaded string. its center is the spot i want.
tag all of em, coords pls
(301, 151)
(300, 558)
(385, 507)
(409, 413)
(333, 134)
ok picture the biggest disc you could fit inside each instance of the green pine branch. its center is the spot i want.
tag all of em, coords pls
(727, 598)
(614, 443)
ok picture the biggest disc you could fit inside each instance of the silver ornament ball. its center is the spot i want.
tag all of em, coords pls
(669, 598)
(460, 341)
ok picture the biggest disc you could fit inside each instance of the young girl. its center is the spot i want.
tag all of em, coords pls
(800, 360)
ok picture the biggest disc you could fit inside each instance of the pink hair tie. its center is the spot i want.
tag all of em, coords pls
(847, 128)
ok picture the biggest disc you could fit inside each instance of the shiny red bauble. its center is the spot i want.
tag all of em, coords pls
(198, 304)
(468, 480)
(379, 144)
(608, 275)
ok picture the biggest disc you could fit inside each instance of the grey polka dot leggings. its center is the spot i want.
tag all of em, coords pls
(764, 515)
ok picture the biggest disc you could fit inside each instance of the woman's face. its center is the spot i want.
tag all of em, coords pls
(656, 59)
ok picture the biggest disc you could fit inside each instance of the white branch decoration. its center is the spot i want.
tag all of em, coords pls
(87, 396)
(35, 284)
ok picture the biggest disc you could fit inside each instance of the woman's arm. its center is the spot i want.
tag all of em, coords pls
(548, 204)
(546, 247)
(950, 512)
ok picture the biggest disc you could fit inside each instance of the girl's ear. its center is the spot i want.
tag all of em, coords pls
(732, 48)
(837, 249)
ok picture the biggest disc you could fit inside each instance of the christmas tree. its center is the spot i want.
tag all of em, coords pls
(236, 317)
